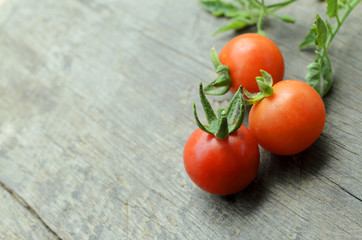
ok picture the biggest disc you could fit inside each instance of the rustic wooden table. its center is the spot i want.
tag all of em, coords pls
(96, 105)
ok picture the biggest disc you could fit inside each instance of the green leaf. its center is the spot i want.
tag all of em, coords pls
(329, 27)
(287, 19)
(321, 32)
(276, 6)
(241, 2)
(332, 8)
(236, 23)
(219, 8)
(326, 70)
(309, 40)
(314, 75)
(341, 7)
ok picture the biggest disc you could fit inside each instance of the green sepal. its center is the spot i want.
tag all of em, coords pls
(209, 112)
(237, 105)
(227, 121)
(222, 130)
(222, 83)
(265, 83)
(203, 127)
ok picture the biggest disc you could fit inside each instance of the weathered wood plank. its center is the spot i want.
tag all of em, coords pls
(96, 106)
(18, 221)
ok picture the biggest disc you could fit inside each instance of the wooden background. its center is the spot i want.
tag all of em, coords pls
(96, 105)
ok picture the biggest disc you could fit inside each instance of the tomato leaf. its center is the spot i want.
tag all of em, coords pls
(332, 8)
(321, 32)
(248, 12)
(236, 23)
(309, 40)
(287, 19)
(219, 8)
(326, 70)
(314, 75)
(320, 71)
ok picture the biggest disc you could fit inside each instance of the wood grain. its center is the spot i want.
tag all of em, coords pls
(96, 105)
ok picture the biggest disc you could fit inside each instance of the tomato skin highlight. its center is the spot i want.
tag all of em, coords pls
(224, 166)
(290, 120)
(246, 54)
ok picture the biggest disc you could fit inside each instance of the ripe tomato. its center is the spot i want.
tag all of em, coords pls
(290, 120)
(222, 166)
(246, 54)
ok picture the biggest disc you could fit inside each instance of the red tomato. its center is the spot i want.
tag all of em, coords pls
(246, 54)
(222, 166)
(290, 120)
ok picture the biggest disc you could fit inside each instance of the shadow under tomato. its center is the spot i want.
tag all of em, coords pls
(277, 175)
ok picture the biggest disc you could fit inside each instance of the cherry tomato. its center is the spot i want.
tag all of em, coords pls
(290, 120)
(222, 166)
(246, 54)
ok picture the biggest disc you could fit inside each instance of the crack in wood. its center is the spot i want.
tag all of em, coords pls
(344, 190)
(23, 203)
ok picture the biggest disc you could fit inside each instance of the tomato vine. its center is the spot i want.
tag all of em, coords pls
(321, 34)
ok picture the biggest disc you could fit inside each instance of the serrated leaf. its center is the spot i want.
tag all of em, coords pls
(309, 40)
(314, 76)
(219, 8)
(326, 70)
(236, 23)
(332, 8)
(321, 32)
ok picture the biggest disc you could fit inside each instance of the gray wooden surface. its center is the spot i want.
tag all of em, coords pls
(96, 105)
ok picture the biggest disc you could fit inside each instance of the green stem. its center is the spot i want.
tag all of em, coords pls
(277, 6)
(222, 128)
(215, 58)
(340, 21)
(261, 17)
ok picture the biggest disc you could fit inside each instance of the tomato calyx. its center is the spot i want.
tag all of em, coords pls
(226, 121)
(265, 83)
(223, 81)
